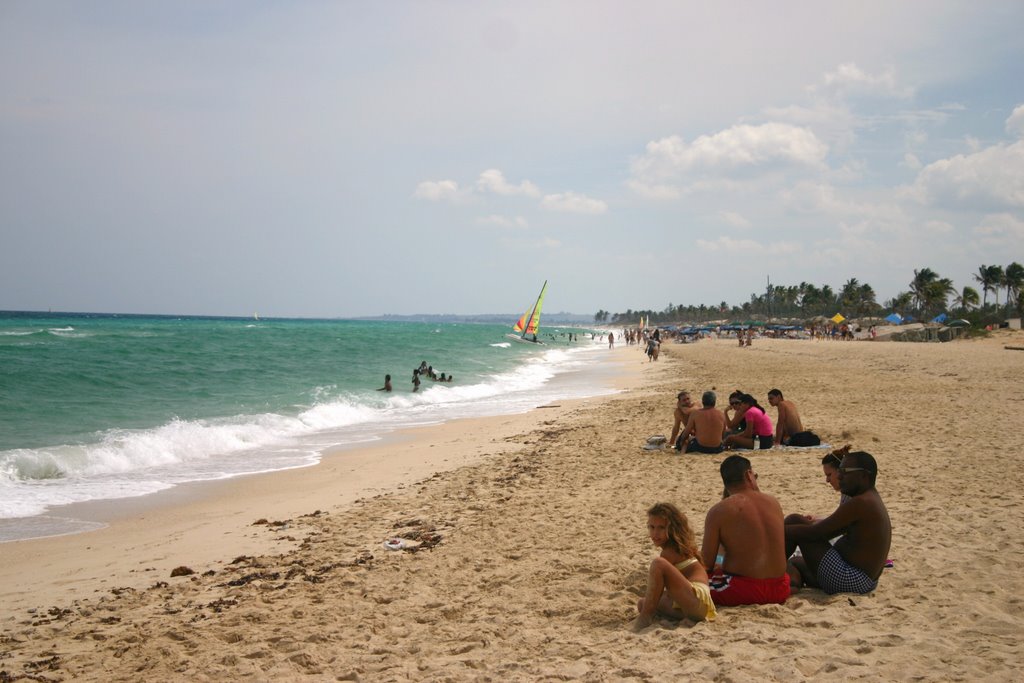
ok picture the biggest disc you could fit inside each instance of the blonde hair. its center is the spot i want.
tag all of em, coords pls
(680, 534)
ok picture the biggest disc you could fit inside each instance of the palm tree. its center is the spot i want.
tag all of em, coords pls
(923, 281)
(809, 296)
(900, 303)
(995, 278)
(865, 299)
(966, 299)
(1013, 280)
(983, 279)
(827, 298)
(937, 294)
(849, 295)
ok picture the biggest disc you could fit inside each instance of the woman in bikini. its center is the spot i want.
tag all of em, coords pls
(677, 583)
(830, 468)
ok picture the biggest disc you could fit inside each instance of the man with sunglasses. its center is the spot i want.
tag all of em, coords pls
(855, 562)
(748, 525)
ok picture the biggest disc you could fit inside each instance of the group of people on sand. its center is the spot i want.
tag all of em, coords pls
(744, 423)
(423, 370)
(752, 554)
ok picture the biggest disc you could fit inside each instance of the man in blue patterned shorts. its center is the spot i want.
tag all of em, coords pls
(855, 562)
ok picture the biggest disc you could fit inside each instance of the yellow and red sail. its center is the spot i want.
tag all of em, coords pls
(529, 323)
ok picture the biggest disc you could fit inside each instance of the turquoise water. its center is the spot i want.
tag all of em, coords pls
(100, 406)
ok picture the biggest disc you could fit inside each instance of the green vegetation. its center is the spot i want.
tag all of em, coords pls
(927, 296)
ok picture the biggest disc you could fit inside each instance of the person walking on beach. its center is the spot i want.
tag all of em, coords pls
(677, 584)
(611, 340)
(707, 426)
(748, 525)
(789, 430)
(855, 562)
(387, 384)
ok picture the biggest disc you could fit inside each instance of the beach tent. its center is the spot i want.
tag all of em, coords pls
(837, 318)
(940, 318)
(894, 318)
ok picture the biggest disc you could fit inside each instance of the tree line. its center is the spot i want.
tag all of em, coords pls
(928, 294)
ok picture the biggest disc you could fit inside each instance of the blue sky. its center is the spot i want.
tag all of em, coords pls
(343, 158)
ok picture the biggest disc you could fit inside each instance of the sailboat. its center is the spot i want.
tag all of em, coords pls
(528, 326)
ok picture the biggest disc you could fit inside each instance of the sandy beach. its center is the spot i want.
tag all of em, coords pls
(527, 546)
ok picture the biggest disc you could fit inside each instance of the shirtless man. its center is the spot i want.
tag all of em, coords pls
(684, 406)
(749, 526)
(855, 562)
(707, 425)
(789, 430)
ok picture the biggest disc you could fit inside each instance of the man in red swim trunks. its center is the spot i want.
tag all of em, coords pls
(749, 525)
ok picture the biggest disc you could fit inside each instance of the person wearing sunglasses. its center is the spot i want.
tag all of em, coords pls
(748, 525)
(855, 562)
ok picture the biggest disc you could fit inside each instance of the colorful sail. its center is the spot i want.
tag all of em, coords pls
(529, 323)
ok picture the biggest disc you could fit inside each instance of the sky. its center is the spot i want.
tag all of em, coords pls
(323, 159)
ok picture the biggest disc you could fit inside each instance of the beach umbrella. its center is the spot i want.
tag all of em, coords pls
(837, 318)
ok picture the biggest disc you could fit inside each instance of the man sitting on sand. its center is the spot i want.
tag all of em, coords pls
(748, 524)
(855, 562)
(789, 430)
(707, 425)
(684, 406)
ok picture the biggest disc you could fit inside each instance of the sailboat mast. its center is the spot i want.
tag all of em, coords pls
(529, 320)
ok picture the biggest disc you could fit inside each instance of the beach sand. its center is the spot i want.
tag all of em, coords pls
(534, 547)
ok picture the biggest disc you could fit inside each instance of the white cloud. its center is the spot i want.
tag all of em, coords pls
(653, 191)
(1015, 124)
(493, 180)
(504, 221)
(668, 160)
(832, 122)
(743, 145)
(911, 161)
(437, 190)
(729, 244)
(992, 178)
(573, 202)
(915, 138)
(849, 78)
(734, 219)
(548, 243)
(939, 227)
(1001, 228)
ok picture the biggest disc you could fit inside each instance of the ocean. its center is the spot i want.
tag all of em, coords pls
(101, 407)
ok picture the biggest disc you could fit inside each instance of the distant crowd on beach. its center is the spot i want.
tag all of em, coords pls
(751, 552)
(745, 334)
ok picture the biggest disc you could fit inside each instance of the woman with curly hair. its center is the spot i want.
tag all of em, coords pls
(677, 582)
